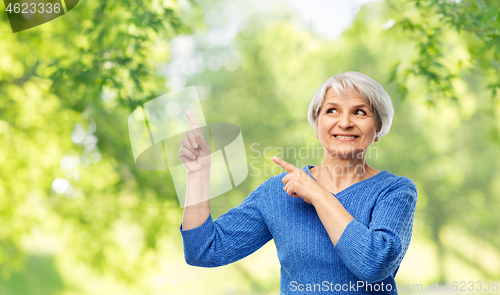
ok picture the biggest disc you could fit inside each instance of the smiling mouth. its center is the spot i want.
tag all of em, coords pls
(346, 136)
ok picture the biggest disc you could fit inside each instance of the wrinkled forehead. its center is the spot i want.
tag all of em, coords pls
(340, 93)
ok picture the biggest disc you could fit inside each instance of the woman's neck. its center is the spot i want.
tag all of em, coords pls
(337, 173)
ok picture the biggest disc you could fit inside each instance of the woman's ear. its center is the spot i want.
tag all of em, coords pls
(378, 130)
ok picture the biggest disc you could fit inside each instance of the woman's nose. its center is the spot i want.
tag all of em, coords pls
(345, 121)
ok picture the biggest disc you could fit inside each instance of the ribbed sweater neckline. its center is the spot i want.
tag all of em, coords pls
(362, 182)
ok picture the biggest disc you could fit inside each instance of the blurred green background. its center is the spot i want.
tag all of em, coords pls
(78, 217)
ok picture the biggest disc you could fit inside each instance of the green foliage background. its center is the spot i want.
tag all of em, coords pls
(68, 86)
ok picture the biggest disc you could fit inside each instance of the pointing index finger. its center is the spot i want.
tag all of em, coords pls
(285, 165)
(192, 119)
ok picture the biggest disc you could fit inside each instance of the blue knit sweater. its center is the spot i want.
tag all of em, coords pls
(364, 260)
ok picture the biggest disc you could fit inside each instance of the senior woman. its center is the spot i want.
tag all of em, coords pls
(341, 226)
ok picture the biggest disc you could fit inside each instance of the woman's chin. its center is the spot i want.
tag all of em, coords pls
(345, 151)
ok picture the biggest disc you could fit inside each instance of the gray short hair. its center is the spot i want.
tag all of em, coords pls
(370, 91)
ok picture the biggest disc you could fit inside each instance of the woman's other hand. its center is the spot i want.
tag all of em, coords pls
(297, 183)
(194, 151)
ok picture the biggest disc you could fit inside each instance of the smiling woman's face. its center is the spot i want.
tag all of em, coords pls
(346, 124)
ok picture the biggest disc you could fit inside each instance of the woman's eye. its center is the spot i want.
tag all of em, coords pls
(332, 110)
(359, 112)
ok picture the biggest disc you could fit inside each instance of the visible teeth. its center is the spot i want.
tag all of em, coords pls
(341, 136)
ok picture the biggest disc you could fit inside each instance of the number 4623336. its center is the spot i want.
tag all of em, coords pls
(33, 8)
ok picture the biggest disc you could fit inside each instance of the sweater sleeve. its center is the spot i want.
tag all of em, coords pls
(373, 253)
(232, 236)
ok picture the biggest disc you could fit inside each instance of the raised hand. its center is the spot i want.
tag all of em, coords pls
(297, 183)
(194, 151)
